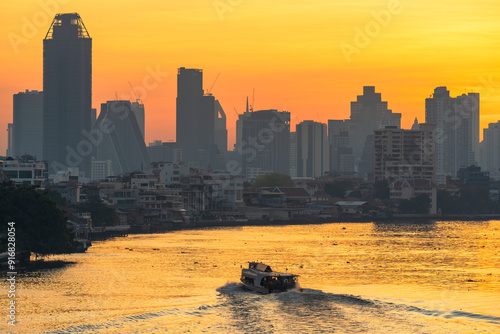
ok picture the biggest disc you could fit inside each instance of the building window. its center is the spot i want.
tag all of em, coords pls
(25, 174)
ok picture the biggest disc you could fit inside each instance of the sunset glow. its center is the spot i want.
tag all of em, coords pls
(293, 53)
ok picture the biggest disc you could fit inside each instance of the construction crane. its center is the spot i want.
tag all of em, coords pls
(137, 98)
(253, 100)
(210, 90)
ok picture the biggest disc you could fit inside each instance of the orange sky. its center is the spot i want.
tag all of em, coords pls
(304, 56)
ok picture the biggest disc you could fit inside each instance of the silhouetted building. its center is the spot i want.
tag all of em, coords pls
(10, 140)
(293, 154)
(368, 113)
(264, 141)
(93, 117)
(490, 150)
(164, 152)
(121, 141)
(472, 176)
(408, 188)
(138, 110)
(28, 124)
(341, 154)
(67, 90)
(405, 153)
(457, 130)
(220, 136)
(197, 120)
(313, 159)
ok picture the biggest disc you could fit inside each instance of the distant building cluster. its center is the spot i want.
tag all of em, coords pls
(56, 136)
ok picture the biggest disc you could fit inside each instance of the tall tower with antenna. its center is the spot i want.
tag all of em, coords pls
(67, 86)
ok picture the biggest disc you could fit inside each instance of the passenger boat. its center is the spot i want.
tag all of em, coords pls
(260, 277)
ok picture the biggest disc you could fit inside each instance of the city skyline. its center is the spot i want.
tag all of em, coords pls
(298, 63)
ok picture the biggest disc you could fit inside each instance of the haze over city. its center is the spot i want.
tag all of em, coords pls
(310, 58)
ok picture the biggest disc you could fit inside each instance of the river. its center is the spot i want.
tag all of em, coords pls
(434, 277)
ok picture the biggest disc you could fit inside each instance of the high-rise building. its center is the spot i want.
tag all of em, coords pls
(67, 94)
(293, 154)
(313, 158)
(368, 113)
(341, 156)
(93, 117)
(120, 138)
(198, 123)
(402, 153)
(138, 110)
(490, 150)
(220, 131)
(264, 142)
(10, 140)
(457, 130)
(28, 124)
(164, 152)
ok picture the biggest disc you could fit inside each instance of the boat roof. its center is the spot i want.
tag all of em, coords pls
(259, 266)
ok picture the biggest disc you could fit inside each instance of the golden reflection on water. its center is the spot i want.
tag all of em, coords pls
(443, 262)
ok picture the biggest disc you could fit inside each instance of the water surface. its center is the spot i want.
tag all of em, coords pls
(441, 277)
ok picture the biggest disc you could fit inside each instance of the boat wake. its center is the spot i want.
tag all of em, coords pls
(322, 312)
(236, 310)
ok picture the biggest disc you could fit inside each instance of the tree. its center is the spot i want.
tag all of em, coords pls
(102, 215)
(273, 180)
(381, 190)
(418, 205)
(337, 188)
(40, 226)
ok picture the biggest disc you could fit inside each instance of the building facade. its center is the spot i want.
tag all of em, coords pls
(402, 153)
(264, 141)
(490, 150)
(200, 121)
(120, 139)
(25, 171)
(368, 113)
(101, 169)
(341, 153)
(67, 94)
(313, 159)
(457, 130)
(138, 110)
(28, 124)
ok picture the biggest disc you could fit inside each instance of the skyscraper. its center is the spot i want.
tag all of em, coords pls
(10, 140)
(457, 130)
(197, 120)
(368, 113)
(263, 141)
(490, 150)
(121, 140)
(402, 153)
(313, 159)
(341, 157)
(138, 110)
(28, 124)
(67, 89)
